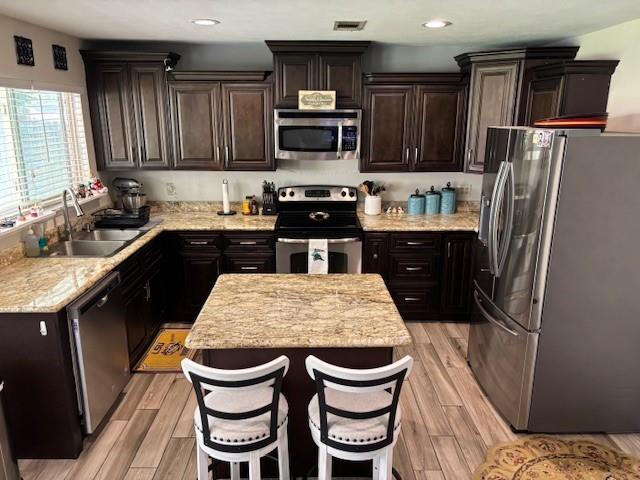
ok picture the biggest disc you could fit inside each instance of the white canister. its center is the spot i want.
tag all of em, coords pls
(372, 205)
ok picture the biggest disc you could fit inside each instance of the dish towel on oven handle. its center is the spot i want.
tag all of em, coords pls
(318, 255)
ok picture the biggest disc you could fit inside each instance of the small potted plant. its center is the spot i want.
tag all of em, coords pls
(372, 199)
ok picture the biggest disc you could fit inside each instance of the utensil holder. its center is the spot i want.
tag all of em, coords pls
(372, 205)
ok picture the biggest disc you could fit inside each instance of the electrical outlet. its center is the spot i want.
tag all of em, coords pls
(171, 189)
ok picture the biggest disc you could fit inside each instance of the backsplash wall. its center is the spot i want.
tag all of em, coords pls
(206, 186)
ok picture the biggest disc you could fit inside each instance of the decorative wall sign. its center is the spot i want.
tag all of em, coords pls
(24, 51)
(317, 99)
(59, 57)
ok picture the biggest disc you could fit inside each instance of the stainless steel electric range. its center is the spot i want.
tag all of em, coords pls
(318, 211)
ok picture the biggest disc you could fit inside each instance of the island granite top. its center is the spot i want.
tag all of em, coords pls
(298, 311)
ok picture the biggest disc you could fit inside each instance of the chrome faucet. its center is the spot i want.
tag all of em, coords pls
(65, 211)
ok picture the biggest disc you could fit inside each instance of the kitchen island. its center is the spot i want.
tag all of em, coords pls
(348, 320)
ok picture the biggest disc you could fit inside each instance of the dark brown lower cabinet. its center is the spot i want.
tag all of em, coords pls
(428, 274)
(39, 392)
(199, 271)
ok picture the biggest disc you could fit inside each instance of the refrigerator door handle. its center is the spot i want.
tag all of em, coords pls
(509, 189)
(496, 201)
(490, 318)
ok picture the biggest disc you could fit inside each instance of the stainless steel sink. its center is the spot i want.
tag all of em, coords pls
(108, 234)
(87, 248)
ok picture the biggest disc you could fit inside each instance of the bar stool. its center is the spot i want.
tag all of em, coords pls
(241, 416)
(355, 414)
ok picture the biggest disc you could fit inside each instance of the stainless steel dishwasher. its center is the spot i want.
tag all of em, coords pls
(99, 345)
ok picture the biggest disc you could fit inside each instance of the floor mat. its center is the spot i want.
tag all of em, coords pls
(166, 352)
(553, 458)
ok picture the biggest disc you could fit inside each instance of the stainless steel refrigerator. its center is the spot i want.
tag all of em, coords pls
(555, 337)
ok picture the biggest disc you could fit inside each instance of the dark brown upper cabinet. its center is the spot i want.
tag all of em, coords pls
(413, 122)
(128, 101)
(496, 83)
(247, 112)
(569, 88)
(195, 118)
(311, 65)
(222, 120)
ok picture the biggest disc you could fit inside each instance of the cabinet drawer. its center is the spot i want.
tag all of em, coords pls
(247, 241)
(412, 302)
(414, 242)
(409, 267)
(249, 264)
(198, 239)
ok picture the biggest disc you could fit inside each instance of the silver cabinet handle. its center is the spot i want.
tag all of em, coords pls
(100, 303)
(217, 153)
(248, 243)
(448, 249)
(412, 269)
(416, 154)
(415, 243)
(226, 155)
(489, 317)
(469, 153)
(147, 290)
(407, 154)
(198, 242)
(412, 299)
(248, 268)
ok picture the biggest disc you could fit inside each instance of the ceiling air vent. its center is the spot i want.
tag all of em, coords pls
(349, 26)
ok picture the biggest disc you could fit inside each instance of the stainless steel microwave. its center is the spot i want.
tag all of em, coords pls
(317, 135)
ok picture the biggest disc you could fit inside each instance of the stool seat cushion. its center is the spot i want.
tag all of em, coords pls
(347, 430)
(246, 430)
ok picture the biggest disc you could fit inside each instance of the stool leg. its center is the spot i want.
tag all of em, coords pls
(254, 466)
(203, 464)
(386, 464)
(235, 470)
(376, 468)
(324, 463)
(283, 456)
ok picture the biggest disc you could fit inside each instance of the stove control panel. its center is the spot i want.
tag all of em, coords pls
(321, 193)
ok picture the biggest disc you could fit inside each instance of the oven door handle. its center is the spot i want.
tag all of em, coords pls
(330, 240)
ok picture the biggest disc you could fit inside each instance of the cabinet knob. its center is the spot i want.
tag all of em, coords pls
(375, 256)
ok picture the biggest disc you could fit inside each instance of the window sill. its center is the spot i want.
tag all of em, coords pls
(51, 212)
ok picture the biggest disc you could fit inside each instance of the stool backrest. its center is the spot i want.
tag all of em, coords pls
(208, 379)
(358, 381)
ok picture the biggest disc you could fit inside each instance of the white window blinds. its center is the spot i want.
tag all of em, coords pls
(43, 147)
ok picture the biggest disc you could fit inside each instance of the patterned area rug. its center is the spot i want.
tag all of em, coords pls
(166, 352)
(541, 457)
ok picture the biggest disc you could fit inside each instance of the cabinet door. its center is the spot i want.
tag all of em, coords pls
(492, 101)
(247, 117)
(439, 114)
(150, 100)
(342, 73)
(112, 115)
(195, 111)
(200, 270)
(387, 128)
(137, 312)
(543, 100)
(293, 72)
(374, 254)
(158, 294)
(456, 275)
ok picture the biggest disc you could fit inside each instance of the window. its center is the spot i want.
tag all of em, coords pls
(43, 147)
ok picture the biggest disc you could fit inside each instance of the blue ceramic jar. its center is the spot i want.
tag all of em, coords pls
(448, 205)
(432, 202)
(415, 205)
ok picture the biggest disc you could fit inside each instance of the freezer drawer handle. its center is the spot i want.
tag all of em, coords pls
(490, 318)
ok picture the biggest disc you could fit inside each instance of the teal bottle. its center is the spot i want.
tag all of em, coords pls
(433, 201)
(448, 205)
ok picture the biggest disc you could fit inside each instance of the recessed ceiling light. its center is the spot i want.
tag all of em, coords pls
(205, 22)
(436, 24)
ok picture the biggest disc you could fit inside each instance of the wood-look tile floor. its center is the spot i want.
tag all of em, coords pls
(447, 423)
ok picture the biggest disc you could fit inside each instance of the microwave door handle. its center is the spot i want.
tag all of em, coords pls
(339, 152)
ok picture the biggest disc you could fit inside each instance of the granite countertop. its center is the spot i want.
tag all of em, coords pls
(298, 311)
(49, 284)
